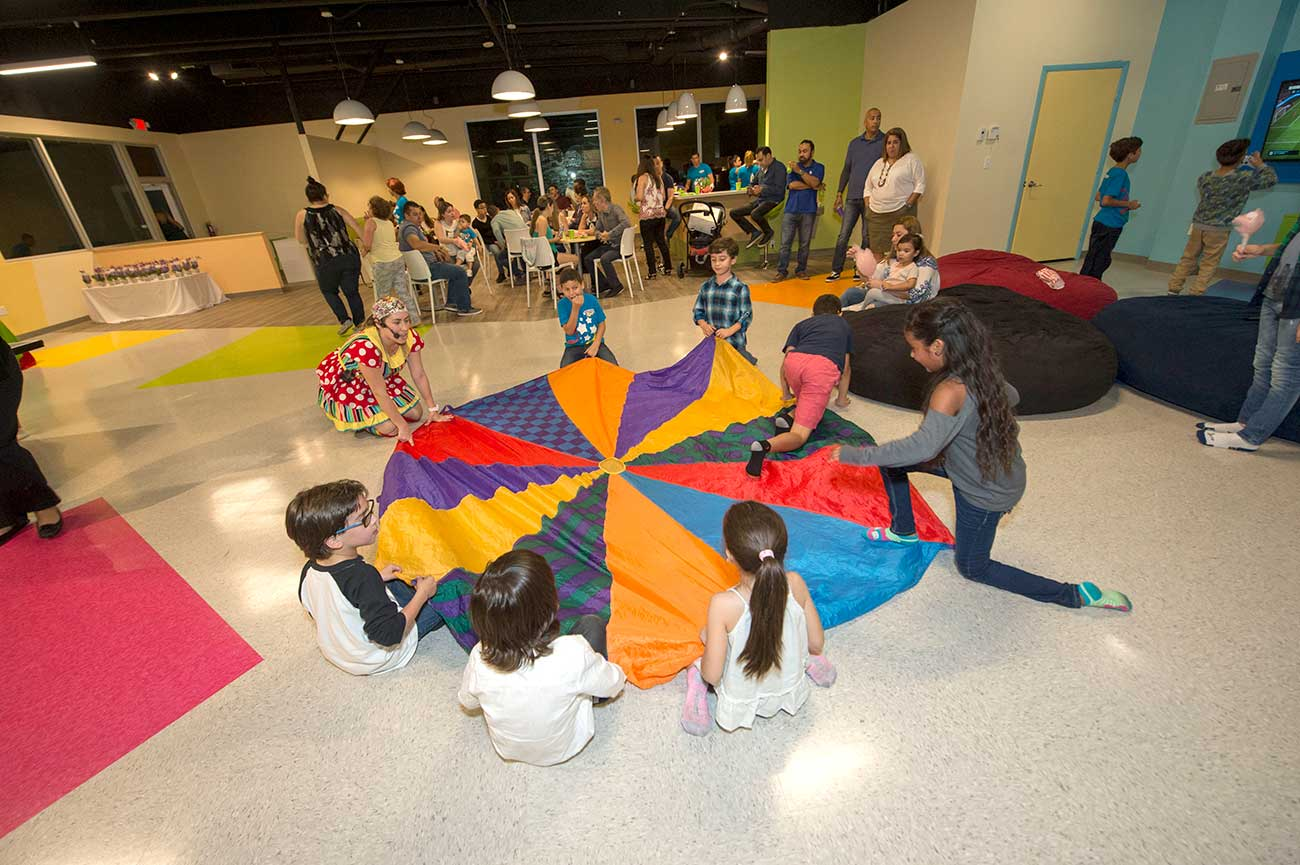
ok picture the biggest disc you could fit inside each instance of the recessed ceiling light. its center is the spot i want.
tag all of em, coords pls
(399, 61)
(173, 75)
(325, 13)
(488, 43)
(722, 55)
(153, 76)
(511, 26)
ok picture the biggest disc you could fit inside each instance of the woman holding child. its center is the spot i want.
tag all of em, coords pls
(361, 383)
(876, 291)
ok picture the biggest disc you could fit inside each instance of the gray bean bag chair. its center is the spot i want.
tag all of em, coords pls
(1056, 360)
(1193, 352)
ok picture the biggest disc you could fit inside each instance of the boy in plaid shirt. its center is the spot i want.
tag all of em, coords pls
(722, 308)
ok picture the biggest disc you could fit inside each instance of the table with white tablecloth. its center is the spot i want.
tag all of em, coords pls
(128, 301)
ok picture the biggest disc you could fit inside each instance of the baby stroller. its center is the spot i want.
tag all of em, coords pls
(704, 221)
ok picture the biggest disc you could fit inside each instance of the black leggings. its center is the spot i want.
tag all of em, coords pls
(592, 627)
(23, 489)
(340, 274)
(652, 235)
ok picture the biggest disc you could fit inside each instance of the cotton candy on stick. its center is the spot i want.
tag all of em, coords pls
(1246, 225)
(865, 260)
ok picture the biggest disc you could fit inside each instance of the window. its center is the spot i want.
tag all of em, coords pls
(145, 161)
(570, 150)
(158, 189)
(675, 147)
(29, 204)
(725, 135)
(503, 157)
(104, 201)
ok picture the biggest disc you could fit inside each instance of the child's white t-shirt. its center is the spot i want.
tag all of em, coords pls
(891, 269)
(350, 604)
(541, 713)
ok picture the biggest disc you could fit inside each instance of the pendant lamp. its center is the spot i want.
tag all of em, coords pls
(686, 109)
(527, 108)
(350, 112)
(673, 118)
(661, 122)
(536, 124)
(436, 136)
(512, 86)
(415, 131)
(736, 102)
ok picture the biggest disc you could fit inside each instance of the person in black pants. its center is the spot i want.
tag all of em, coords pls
(1115, 207)
(323, 229)
(23, 489)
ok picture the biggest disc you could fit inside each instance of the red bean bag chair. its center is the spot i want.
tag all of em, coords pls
(1083, 296)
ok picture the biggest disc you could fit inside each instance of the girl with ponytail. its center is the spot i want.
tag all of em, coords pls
(760, 633)
(969, 435)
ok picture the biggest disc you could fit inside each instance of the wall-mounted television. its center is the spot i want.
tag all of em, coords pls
(1282, 140)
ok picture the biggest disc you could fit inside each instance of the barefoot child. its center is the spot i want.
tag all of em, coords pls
(535, 687)
(760, 634)
(367, 621)
(968, 423)
(583, 320)
(816, 363)
(722, 308)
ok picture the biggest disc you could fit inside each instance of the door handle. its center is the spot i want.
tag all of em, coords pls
(1033, 184)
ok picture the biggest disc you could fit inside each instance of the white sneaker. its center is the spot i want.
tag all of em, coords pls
(1217, 439)
(1222, 427)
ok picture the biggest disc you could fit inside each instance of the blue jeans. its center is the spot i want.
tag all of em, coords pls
(854, 210)
(427, 620)
(457, 281)
(674, 219)
(975, 531)
(1276, 386)
(752, 218)
(804, 223)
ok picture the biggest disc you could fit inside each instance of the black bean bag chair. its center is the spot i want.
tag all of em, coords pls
(1194, 352)
(1056, 360)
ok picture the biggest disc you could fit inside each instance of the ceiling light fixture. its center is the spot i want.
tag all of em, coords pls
(723, 55)
(536, 124)
(173, 75)
(527, 108)
(686, 109)
(512, 86)
(674, 119)
(47, 65)
(415, 131)
(509, 140)
(153, 76)
(661, 122)
(436, 136)
(349, 112)
(736, 102)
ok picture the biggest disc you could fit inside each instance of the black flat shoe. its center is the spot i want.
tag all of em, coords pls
(12, 532)
(51, 530)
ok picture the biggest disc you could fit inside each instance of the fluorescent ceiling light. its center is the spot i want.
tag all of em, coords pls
(508, 140)
(592, 135)
(47, 65)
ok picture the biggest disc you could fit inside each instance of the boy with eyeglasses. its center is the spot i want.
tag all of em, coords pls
(367, 621)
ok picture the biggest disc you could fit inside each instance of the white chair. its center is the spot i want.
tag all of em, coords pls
(539, 258)
(480, 248)
(627, 256)
(417, 271)
(515, 238)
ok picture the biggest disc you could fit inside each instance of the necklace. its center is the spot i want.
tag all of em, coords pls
(883, 176)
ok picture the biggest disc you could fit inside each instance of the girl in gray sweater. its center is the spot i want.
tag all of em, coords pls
(969, 435)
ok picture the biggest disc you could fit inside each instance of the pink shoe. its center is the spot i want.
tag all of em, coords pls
(696, 719)
(821, 671)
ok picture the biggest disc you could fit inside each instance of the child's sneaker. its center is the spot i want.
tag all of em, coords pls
(821, 671)
(1107, 599)
(888, 535)
(696, 719)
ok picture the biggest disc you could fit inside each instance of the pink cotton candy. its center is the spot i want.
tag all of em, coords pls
(865, 260)
(1249, 223)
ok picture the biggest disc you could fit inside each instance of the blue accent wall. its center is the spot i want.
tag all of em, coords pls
(1177, 150)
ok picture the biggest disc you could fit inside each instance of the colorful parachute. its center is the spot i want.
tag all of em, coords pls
(620, 481)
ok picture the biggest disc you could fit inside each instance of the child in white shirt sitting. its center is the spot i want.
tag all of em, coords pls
(895, 279)
(535, 687)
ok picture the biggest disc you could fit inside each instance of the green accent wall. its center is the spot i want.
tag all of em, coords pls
(814, 91)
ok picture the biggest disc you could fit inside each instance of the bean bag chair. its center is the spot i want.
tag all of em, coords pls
(1057, 361)
(1194, 352)
(1083, 296)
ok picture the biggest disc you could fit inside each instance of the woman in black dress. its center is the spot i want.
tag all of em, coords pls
(23, 489)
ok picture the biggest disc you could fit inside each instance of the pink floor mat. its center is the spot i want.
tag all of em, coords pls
(104, 645)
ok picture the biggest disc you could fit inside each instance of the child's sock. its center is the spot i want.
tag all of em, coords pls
(784, 419)
(757, 452)
(1108, 599)
(821, 671)
(696, 719)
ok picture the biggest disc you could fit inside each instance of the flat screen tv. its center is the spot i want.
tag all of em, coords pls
(1282, 140)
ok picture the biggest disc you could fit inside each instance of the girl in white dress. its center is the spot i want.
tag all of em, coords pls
(764, 638)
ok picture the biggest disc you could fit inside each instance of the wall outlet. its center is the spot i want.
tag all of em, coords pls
(995, 132)
(988, 162)
(983, 134)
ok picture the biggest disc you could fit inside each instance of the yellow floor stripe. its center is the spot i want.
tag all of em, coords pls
(94, 346)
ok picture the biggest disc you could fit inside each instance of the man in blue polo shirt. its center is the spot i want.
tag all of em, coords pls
(699, 176)
(862, 153)
(802, 183)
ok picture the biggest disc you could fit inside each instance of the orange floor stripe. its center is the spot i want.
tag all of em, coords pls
(797, 292)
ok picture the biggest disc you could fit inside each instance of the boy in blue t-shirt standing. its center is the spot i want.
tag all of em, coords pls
(583, 321)
(1115, 207)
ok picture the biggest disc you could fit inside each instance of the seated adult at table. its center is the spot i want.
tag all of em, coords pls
(561, 201)
(579, 200)
(802, 183)
(768, 190)
(24, 247)
(496, 247)
(927, 269)
(894, 185)
(398, 190)
(323, 229)
(610, 223)
(512, 202)
(699, 176)
(361, 383)
(546, 224)
(504, 220)
(411, 237)
(23, 489)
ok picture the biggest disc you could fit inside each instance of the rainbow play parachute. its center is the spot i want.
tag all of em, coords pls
(620, 481)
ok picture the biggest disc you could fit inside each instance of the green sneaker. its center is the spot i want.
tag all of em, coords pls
(1091, 596)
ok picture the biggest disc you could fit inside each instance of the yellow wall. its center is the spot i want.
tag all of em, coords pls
(928, 103)
(238, 262)
(351, 172)
(1010, 42)
(251, 178)
(169, 145)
